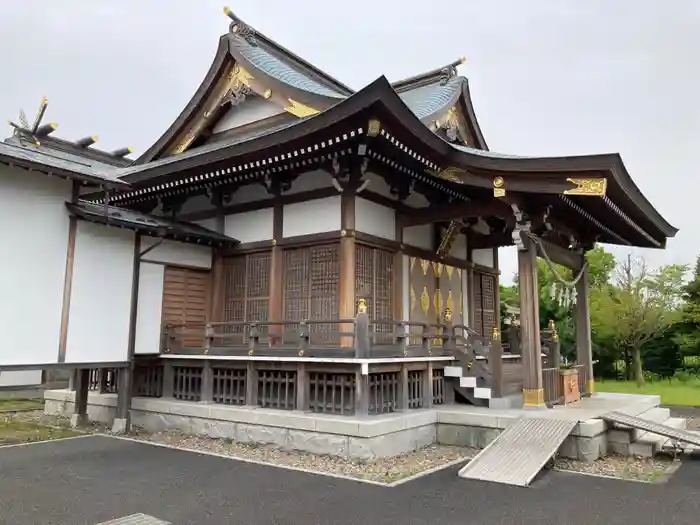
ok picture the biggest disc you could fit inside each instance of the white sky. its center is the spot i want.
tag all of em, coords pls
(547, 78)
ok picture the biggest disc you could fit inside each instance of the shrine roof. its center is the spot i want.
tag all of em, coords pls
(60, 164)
(150, 225)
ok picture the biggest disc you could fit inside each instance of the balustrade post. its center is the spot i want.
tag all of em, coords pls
(208, 338)
(496, 364)
(448, 335)
(362, 336)
(253, 338)
(401, 337)
(427, 340)
(304, 338)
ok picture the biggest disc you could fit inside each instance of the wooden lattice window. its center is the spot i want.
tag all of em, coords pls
(374, 282)
(246, 290)
(312, 286)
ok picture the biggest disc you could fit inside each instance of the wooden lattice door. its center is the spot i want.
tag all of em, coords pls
(484, 303)
(185, 298)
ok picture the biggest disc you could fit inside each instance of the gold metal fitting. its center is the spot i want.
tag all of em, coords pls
(300, 353)
(250, 352)
(373, 127)
(496, 334)
(274, 242)
(447, 316)
(268, 93)
(498, 189)
(343, 233)
(462, 59)
(361, 306)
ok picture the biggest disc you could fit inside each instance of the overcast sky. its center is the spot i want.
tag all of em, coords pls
(547, 77)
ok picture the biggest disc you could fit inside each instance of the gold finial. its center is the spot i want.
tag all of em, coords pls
(496, 334)
(54, 125)
(95, 138)
(361, 306)
(227, 11)
(462, 59)
(268, 93)
(448, 314)
(130, 148)
(553, 329)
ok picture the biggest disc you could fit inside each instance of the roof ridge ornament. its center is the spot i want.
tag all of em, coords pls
(450, 70)
(26, 133)
(239, 28)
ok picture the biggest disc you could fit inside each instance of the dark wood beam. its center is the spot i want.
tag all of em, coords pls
(560, 255)
(456, 210)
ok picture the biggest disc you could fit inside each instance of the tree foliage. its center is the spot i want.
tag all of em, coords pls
(688, 333)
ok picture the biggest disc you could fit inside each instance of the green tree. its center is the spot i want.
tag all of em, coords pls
(688, 334)
(639, 307)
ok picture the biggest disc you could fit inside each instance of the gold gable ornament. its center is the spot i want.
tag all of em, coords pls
(588, 187)
(498, 189)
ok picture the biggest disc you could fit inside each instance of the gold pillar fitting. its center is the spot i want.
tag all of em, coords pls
(533, 397)
(590, 386)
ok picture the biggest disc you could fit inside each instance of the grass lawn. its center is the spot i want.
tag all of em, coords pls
(672, 392)
(21, 404)
(12, 432)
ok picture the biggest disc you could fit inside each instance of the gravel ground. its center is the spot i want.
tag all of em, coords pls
(385, 470)
(632, 468)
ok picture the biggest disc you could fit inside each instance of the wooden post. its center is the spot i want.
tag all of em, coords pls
(302, 401)
(361, 393)
(207, 394)
(496, 364)
(428, 386)
(168, 378)
(276, 301)
(362, 335)
(584, 349)
(533, 393)
(251, 384)
(80, 417)
(347, 260)
(398, 295)
(402, 400)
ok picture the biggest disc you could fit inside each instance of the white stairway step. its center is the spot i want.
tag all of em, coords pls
(467, 382)
(482, 393)
(649, 444)
(453, 371)
(624, 434)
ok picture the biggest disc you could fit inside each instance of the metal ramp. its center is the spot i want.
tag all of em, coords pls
(520, 452)
(675, 434)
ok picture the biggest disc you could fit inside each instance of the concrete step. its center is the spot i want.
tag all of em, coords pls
(624, 434)
(482, 392)
(453, 371)
(649, 444)
(467, 382)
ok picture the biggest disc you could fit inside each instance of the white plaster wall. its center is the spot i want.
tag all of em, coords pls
(252, 110)
(251, 226)
(20, 378)
(177, 253)
(317, 216)
(459, 247)
(32, 265)
(378, 185)
(419, 236)
(150, 309)
(375, 219)
(250, 193)
(98, 329)
(311, 180)
(483, 257)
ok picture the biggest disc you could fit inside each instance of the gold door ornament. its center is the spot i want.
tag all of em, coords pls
(425, 300)
(412, 262)
(413, 299)
(437, 268)
(424, 265)
(450, 301)
(450, 270)
(437, 301)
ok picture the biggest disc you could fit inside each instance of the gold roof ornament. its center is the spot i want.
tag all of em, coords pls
(588, 187)
(24, 131)
(498, 189)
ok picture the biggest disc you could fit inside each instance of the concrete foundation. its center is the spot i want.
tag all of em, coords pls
(359, 438)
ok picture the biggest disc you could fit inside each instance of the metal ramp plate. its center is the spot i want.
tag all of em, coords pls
(682, 436)
(517, 455)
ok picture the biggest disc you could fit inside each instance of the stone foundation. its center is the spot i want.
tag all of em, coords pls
(360, 438)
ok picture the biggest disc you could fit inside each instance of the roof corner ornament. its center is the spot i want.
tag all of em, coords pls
(450, 71)
(239, 28)
(31, 134)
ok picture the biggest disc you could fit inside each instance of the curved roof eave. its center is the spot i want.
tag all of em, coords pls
(466, 94)
(220, 59)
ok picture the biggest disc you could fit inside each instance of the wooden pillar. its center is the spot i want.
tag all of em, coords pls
(276, 301)
(533, 394)
(470, 320)
(398, 297)
(68, 277)
(347, 261)
(497, 289)
(584, 350)
(216, 282)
